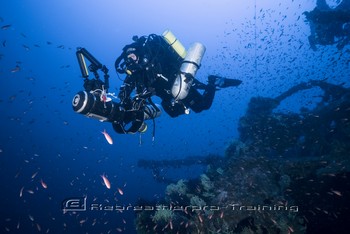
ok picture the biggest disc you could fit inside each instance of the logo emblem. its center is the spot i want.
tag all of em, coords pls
(74, 204)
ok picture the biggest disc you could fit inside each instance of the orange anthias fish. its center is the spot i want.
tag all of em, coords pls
(106, 181)
(43, 184)
(120, 191)
(108, 137)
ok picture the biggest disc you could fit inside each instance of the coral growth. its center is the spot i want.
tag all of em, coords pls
(163, 216)
(179, 188)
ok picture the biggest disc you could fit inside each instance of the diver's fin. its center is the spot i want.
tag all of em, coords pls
(222, 82)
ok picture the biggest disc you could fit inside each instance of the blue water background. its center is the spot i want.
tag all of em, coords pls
(41, 133)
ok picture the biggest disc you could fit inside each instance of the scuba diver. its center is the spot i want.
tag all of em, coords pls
(155, 65)
(329, 26)
(152, 66)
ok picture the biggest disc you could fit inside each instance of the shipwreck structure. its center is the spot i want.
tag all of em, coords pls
(286, 173)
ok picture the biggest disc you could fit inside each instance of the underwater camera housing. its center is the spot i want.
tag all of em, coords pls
(90, 105)
(123, 121)
(95, 102)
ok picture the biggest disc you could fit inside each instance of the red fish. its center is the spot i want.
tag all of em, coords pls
(43, 184)
(120, 191)
(108, 137)
(106, 181)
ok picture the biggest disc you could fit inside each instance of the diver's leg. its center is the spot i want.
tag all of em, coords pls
(173, 109)
(199, 102)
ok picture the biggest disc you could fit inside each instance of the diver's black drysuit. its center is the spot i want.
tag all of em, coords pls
(154, 73)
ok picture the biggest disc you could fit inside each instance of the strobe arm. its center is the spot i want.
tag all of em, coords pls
(82, 53)
(82, 64)
(95, 65)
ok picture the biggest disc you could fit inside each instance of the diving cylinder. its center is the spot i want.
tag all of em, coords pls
(170, 38)
(188, 70)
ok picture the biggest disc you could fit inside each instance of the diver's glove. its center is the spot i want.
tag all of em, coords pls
(127, 103)
(222, 82)
(125, 99)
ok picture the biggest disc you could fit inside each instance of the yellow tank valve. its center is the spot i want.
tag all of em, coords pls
(170, 38)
